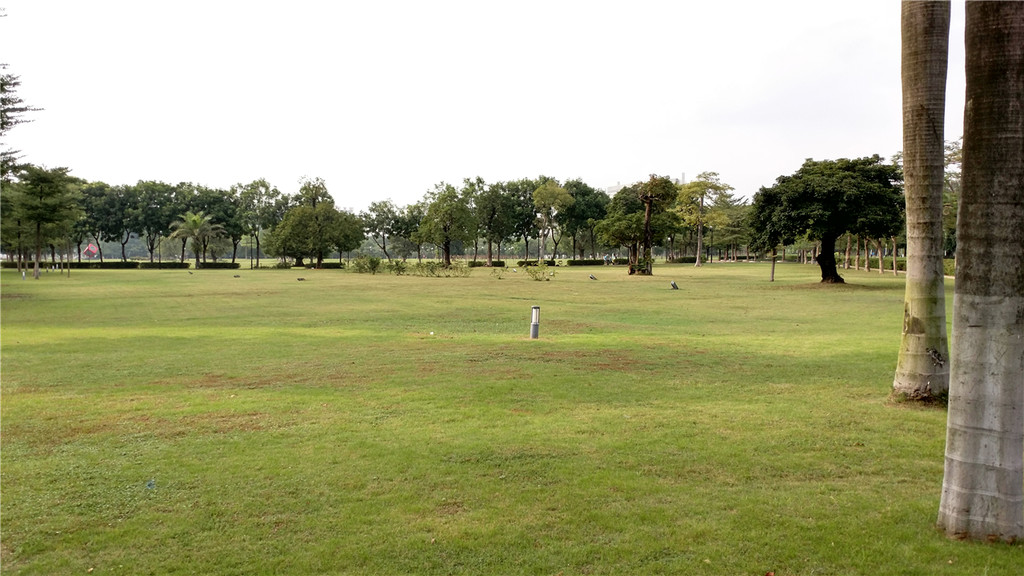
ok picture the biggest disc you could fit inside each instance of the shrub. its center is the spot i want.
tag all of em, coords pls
(683, 260)
(397, 267)
(483, 263)
(620, 261)
(540, 273)
(585, 262)
(283, 265)
(432, 269)
(366, 264)
(332, 266)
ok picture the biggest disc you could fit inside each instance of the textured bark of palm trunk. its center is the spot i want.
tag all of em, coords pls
(983, 479)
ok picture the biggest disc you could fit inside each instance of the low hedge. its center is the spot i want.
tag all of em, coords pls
(535, 262)
(165, 265)
(483, 263)
(90, 265)
(219, 265)
(586, 262)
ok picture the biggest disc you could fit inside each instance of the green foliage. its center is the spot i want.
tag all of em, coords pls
(825, 199)
(684, 260)
(586, 262)
(380, 222)
(97, 265)
(219, 265)
(396, 267)
(483, 263)
(541, 272)
(166, 265)
(434, 269)
(197, 228)
(448, 219)
(366, 264)
(578, 219)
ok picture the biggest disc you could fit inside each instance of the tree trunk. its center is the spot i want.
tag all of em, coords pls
(826, 260)
(922, 369)
(846, 256)
(983, 480)
(39, 249)
(774, 253)
(124, 242)
(895, 251)
(648, 264)
(700, 240)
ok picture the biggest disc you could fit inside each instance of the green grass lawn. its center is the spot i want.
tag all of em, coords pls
(156, 422)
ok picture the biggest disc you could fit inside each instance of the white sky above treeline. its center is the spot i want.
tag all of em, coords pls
(384, 99)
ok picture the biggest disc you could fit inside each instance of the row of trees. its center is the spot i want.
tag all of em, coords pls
(541, 212)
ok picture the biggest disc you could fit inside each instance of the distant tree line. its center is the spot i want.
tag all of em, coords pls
(49, 212)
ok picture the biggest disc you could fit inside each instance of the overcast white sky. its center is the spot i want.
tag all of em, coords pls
(384, 99)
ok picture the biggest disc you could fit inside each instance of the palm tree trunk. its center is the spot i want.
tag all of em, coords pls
(922, 372)
(983, 480)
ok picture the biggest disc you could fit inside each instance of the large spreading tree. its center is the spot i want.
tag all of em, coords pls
(579, 218)
(494, 210)
(549, 200)
(825, 199)
(380, 221)
(656, 194)
(983, 480)
(448, 219)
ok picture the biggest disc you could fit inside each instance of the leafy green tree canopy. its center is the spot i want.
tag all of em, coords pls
(825, 199)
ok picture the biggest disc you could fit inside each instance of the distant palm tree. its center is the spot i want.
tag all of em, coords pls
(197, 227)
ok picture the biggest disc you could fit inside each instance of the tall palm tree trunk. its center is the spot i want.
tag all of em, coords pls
(983, 480)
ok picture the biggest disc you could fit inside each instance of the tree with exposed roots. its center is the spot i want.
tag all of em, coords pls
(922, 369)
(983, 479)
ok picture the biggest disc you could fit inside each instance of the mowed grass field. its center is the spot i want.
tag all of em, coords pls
(156, 422)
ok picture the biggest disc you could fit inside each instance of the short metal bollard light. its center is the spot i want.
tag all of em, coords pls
(535, 323)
